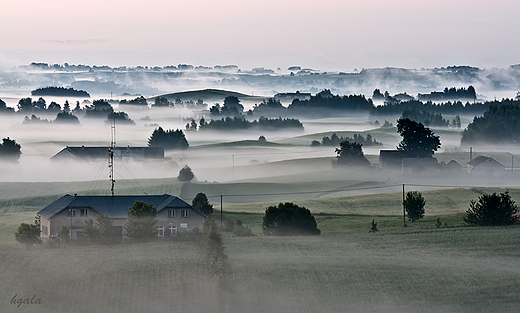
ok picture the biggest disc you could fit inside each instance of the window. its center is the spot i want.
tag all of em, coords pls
(45, 230)
(160, 231)
(185, 213)
(72, 212)
(83, 212)
(171, 213)
(173, 230)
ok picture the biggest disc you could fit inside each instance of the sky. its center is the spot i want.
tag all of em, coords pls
(333, 35)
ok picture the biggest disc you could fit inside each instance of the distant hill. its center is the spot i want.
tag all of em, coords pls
(208, 95)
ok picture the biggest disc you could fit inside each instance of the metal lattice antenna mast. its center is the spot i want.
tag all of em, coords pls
(111, 154)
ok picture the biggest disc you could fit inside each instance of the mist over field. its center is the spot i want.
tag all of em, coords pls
(417, 268)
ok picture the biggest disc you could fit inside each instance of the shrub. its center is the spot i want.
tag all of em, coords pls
(492, 210)
(414, 205)
(373, 227)
(28, 234)
(288, 219)
(186, 174)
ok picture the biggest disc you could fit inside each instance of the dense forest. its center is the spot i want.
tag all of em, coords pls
(499, 124)
(60, 92)
(334, 140)
(448, 108)
(450, 94)
(240, 122)
(326, 100)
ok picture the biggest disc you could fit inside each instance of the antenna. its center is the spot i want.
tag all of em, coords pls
(111, 154)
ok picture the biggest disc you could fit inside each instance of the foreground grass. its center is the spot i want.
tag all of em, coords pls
(445, 270)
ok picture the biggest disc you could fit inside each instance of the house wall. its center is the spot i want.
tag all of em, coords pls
(487, 169)
(183, 224)
(45, 227)
(59, 220)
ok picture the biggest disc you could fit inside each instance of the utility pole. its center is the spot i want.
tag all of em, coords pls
(111, 154)
(404, 210)
(221, 213)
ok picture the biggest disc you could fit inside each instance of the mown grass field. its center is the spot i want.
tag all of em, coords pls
(442, 270)
(418, 268)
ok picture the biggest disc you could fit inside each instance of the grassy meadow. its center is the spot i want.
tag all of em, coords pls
(415, 268)
(439, 270)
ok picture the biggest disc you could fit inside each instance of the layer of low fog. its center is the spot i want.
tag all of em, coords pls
(219, 156)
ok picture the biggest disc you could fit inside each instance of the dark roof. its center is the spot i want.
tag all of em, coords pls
(454, 164)
(482, 159)
(113, 206)
(102, 152)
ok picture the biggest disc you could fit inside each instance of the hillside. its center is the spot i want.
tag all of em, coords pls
(208, 95)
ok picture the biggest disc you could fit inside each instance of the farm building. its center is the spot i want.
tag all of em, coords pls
(173, 214)
(418, 164)
(391, 159)
(91, 154)
(484, 165)
(292, 95)
(454, 166)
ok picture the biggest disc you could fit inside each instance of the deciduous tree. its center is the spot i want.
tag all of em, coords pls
(414, 205)
(418, 140)
(185, 174)
(141, 221)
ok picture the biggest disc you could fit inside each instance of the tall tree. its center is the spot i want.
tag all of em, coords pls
(350, 153)
(10, 150)
(201, 203)
(418, 140)
(169, 139)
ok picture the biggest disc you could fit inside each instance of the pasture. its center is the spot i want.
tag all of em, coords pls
(441, 270)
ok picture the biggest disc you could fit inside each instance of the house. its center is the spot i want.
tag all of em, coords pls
(91, 154)
(292, 95)
(484, 165)
(173, 214)
(453, 166)
(418, 164)
(391, 159)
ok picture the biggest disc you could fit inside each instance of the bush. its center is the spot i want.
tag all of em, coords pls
(414, 205)
(288, 219)
(186, 175)
(492, 210)
(28, 234)
(373, 227)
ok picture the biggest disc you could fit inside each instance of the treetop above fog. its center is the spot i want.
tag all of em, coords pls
(418, 140)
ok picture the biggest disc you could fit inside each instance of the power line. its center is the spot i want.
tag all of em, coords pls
(346, 189)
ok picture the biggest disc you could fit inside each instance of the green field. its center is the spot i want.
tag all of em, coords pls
(441, 270)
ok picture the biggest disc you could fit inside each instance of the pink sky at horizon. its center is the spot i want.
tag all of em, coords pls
(327, 34)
